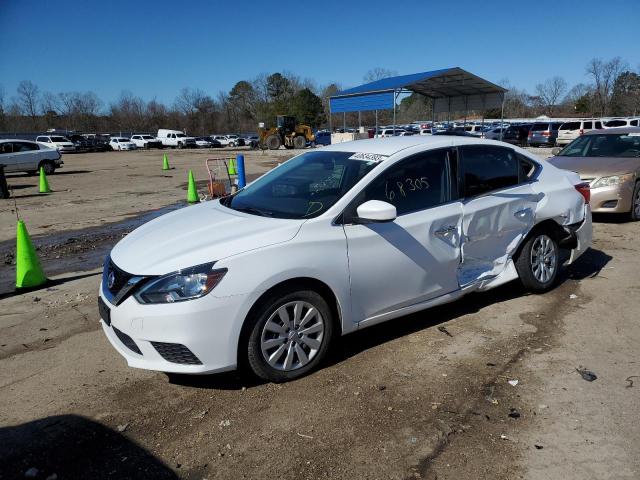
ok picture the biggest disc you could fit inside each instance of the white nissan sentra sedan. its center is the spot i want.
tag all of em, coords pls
(334, 240)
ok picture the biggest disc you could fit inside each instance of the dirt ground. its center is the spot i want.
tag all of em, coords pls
(432, 395)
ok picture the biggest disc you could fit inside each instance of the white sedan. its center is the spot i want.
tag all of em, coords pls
(19, 155)
(121, 143)
(332, 241)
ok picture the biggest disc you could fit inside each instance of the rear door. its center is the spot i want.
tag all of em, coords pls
(26, 156)
(414, 258)
(498, 210)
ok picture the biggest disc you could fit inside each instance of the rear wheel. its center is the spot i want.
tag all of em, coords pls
(289, 335)
(635, 203)
(299, 142)
(273, 142)
(538, 262)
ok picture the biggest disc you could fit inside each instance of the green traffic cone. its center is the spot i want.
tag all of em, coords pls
(232, 167)
(192, 192)
(28, 270)
(165, 162)
(44, 183)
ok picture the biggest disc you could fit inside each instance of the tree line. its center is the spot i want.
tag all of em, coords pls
(611, 88)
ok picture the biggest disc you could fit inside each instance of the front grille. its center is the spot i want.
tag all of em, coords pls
(127, 341)
(120, 277)
(176, 353)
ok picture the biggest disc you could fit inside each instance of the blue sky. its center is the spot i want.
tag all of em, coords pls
(154, 48)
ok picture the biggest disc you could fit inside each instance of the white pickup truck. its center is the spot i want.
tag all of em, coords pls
(175, 139)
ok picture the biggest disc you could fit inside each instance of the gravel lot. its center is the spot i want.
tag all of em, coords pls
(405, 399)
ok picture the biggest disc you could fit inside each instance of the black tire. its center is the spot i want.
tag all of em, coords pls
(635, 203)
(299, 142)
(531, 268)
(273, 142)
(180, 145)
(48, 167)
(256, 329)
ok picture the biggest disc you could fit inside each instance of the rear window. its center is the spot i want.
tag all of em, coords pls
(540, 127)
(570, 126)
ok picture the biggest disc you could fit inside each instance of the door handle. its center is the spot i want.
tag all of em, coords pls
(522, 213)
(446, 230)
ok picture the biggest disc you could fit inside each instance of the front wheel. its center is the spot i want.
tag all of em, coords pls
(289, 335)
(538, 263)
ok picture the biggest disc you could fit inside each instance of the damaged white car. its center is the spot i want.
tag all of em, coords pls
(332, 241)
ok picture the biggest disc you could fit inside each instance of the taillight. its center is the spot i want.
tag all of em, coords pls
(581, 131)
(584, 190)
(546, 134)
(531, 134)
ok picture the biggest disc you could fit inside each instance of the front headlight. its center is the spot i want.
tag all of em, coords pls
(186, 284)
(612, 180)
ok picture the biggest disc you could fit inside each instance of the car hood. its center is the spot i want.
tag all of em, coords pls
(195, 235)
(595, 167)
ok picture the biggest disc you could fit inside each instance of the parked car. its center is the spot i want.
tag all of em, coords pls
(494, 133)
(569, 131)
(214, 143)
(62, 144)
(229, 140)
(26, 156)
(146, 141)
(323, 137)
(517, 134)
(203, 142)
(121, 143)
(251, 141)
(543, 133)
(609, 160)
(456, 131)
(622, 122)
(389, 132)
(426, 131)
(475, 130)
(308, 251)
(175, 139)
(81, 143)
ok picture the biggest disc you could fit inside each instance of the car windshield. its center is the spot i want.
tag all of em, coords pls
(59, 139)
(304, 187)
(619, 145)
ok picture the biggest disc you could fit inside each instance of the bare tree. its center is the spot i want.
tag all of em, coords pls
(550, 92)
(604, 75)
(378, 73)
(29, 99)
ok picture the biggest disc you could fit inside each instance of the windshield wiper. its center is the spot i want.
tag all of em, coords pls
(255, 211)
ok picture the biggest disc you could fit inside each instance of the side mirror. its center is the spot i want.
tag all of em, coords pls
(376, 211)
(556, 150)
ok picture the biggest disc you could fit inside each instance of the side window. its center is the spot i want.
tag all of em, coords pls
(634, 123)
(6, 147)
(419, 182)
(598, 125)
(527, 168)
(25, 146)
(488, 168)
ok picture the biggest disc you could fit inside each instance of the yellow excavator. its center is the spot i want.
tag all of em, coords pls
(286, 133)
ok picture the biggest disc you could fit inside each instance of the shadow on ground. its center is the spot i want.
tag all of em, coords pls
(74, 447)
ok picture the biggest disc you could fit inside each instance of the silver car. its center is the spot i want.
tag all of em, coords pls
(26, 156)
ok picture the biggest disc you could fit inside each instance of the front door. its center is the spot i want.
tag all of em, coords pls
(498, 210)
(414, 258)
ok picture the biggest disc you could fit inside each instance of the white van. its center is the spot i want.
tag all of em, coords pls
(569, 131)
(175, 139)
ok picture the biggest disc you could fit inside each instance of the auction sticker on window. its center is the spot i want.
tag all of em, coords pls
(369, 157)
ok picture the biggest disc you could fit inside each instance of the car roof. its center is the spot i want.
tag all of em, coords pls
(614, 131)
(391, 145)
(4, 140)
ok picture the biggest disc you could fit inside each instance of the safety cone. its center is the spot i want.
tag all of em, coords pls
(44, 183)
(232, 166)
(28, 270)
(192, 192)
(165, 162)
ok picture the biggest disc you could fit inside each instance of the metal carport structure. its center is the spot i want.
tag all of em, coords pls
(451, 89)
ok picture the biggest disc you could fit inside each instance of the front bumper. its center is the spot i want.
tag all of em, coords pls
(614, 199)
(208, 327)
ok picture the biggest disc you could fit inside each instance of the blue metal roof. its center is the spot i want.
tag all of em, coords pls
(391, 83)
(456, 85)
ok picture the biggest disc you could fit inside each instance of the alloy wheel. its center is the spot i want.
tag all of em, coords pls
(544, 258)
(292, 336)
